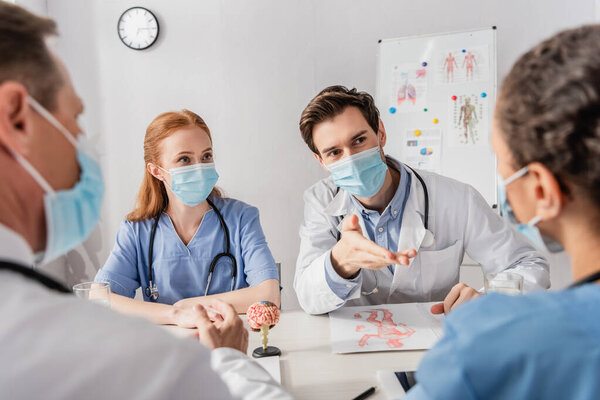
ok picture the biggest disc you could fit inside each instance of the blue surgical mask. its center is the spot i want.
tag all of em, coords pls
(71, 214)
(529, 230)
(361, 174)
(193, 183)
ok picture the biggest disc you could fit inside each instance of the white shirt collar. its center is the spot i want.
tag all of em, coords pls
(14, 248)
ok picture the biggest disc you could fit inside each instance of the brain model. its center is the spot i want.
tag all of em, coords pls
(262, 313)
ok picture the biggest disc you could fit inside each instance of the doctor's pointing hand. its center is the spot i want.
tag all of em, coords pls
(378, 232)
(354, 252)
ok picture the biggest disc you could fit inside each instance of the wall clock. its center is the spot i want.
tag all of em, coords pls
(138, 28)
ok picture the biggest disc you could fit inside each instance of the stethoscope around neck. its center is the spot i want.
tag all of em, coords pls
(428, 240)
(152, 291)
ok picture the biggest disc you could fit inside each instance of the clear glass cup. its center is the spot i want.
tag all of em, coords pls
(97, 292)
(504, 282)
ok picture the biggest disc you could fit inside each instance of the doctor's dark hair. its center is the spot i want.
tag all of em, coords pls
(24, 56)
(152, 197)
(549, 109)
(331, 102)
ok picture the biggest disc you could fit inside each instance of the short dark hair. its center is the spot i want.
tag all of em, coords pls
(331, 102)
(549, 109)
(24, 56)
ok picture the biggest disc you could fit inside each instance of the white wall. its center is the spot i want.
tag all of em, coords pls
(249, 67)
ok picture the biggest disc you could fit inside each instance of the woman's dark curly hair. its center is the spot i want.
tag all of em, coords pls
(549, 109)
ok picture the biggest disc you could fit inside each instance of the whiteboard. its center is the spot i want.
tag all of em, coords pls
(436, 95)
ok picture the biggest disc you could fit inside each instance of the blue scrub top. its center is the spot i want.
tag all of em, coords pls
(536, 346)
(181, 271)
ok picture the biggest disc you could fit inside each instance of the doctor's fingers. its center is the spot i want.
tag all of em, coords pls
(208, 334)
(233, 334)
(214, 316)
(225, 310)
(370, 248)
(351, 224)
(466, 294)
(371, 264)
(244, 341)
(452, 296)
(362, 259)
(403, 256)
(458, 294)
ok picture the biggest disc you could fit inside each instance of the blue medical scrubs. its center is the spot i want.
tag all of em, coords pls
(181, 271)
(537, 346)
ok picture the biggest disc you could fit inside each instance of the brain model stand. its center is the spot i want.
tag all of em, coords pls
(261, 317)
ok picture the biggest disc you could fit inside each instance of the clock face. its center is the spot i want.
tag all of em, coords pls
(138, 28)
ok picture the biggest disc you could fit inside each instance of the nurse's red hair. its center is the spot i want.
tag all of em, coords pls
(152, 198)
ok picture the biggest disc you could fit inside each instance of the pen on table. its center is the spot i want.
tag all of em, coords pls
(365, 394)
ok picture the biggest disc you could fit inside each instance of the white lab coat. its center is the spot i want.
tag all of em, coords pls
(460, 221)
(56, 346)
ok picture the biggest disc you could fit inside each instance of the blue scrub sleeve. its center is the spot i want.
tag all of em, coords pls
(259, 264)
(340, 286)
(120, 270)
(441, 375)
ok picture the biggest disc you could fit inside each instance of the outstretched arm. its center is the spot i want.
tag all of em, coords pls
(240, 299)
(162, 314)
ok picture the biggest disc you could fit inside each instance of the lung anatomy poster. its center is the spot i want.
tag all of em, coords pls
(409, 88)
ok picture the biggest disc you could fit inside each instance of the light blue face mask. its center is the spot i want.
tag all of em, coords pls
(193, 183)
(71, 214)
(361, 174)
(529, 230)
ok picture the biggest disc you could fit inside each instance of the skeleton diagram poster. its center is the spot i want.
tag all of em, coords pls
(385, 327)
(468, 123)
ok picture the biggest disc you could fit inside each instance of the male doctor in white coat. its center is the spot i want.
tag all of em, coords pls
(370, 236)
(53, 345)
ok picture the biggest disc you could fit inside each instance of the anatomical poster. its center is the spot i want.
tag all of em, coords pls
(456, 66)
(409, 88)
(386, 327)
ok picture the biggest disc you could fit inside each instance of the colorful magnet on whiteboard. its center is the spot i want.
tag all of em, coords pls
(417, 133)
(454, 98)
(426, 151)
(392, 110)
(464, 51)
(424, 63)
(425, 109)
(484, 94)
(435, 121)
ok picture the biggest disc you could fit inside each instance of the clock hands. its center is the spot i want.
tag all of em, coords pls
(138, 28)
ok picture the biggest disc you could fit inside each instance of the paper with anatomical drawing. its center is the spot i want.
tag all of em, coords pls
(384, 327)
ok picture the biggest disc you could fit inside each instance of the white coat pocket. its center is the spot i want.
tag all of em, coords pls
(440, 269)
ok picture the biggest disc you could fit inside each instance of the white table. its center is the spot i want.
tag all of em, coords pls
(309, 370)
